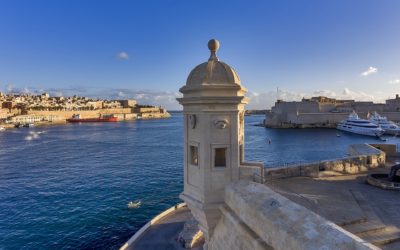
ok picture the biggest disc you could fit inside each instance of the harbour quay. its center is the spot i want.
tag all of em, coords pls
(324, 112)
(45, 109)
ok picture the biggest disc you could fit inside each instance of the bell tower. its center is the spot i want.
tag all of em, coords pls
(213, 108)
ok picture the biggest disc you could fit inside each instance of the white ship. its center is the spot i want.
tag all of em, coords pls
(389, 126)
(356, 125)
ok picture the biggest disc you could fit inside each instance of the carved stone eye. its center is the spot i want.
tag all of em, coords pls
(192, 121)
(221, 124)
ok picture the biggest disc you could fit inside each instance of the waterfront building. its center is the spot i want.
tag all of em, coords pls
(33, 118)
(325, 112)
(65, 107)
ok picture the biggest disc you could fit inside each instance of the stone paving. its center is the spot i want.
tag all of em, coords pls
(367, 211)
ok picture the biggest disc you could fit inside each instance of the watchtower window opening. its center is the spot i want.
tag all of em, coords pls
(194, 155)
(220, 157)
(241, 153)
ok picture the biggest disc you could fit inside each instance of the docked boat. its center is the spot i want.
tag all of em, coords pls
(2, 128)
(356, 125)
(77, 118)
(390, 127)
(28, 125)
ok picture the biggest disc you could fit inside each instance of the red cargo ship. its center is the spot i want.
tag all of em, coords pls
(77, 118)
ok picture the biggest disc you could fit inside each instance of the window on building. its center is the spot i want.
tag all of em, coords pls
(194, 155)
(220, 157)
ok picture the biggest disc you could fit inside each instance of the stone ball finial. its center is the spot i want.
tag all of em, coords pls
(213, 45)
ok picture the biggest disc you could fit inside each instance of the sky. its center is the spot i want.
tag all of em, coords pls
(146, 49)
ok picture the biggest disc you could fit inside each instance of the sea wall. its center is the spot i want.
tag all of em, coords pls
(256, 217)
(83, 113)
(122, 114)
(361, 158)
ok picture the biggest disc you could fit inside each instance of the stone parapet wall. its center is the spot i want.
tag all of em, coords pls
(252, 171)
(362, 157)
(389, 149)
(232, 233)
(256, 217)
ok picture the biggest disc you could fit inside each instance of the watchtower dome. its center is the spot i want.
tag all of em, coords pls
(213, 107)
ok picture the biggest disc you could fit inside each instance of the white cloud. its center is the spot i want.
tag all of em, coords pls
(167, 99)
(267, 100)
(26, 90)
(369, 71)
(395, 81)
(122, 55)
(9, 87)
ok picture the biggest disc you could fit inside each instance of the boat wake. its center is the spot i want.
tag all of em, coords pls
(34, 135)
(134, 204)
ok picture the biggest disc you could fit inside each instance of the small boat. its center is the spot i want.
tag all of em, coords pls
(390, 127)
(134, 204)
(28, 125)
(2, 128)
(17, 125)
(356, 125)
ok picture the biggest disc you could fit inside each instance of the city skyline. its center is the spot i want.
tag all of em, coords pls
(145, 51)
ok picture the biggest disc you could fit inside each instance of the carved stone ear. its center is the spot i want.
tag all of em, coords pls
(221, 124)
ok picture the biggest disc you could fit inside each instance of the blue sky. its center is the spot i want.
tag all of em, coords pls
(146, 49)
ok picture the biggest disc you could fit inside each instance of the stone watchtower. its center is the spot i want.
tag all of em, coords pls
(213, 107)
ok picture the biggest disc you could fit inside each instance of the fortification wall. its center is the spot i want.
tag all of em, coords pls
(5, 113)
(256, 217)
(83, 113)
(292, 119)
(392, 116)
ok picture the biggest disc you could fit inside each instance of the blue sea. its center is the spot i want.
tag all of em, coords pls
(68, 186)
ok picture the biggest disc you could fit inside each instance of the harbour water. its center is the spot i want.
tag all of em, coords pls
(68, 186)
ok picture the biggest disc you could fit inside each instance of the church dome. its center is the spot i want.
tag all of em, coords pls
(213, 71)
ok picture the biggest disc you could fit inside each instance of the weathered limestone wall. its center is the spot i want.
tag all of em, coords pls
(253, 171)
(5, 113)
(83, 113)
(362, 157)
(256, 217)
(290, 119)
(389, 149)
(122, 114)
(232, 233)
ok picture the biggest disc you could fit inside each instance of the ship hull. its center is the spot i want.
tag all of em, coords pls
(362, 131)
